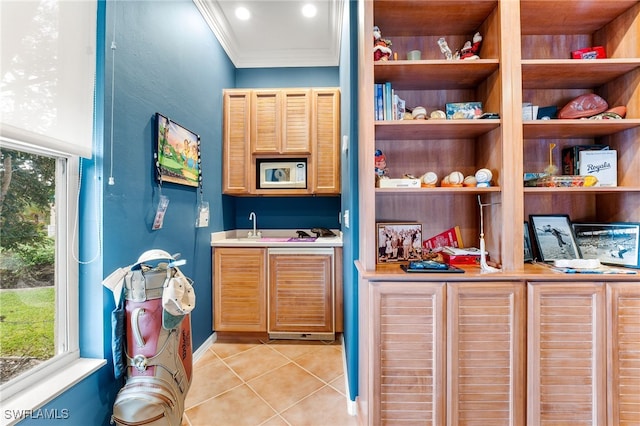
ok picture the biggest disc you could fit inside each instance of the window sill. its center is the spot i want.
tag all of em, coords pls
(21, 405)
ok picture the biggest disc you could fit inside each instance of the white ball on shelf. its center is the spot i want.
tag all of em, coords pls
(484, 175)
(456, 178)
(470, 181)
(429, 178)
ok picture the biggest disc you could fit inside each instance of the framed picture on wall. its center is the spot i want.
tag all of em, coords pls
(610, 243)
(177, 153)
(554, 237)
(399, 242)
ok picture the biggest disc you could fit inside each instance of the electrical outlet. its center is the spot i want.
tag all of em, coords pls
(346, 218)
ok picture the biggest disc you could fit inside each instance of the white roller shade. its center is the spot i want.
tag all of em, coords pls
(48, 63)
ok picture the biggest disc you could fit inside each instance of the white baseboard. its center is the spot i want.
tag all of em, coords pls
(352, 406)
(204, 346)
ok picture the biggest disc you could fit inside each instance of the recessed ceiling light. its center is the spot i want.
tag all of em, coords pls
(309, 10)
(243, 13)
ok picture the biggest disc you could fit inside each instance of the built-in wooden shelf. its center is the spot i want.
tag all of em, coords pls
(434, 74)
(573, 73)
(575, 129)
(581, 189)
(569, 16)
(434, 129)
(438, 190)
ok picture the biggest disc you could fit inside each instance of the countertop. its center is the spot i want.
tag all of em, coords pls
(273, 238)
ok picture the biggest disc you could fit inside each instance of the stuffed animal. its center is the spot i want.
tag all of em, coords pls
(381, 49)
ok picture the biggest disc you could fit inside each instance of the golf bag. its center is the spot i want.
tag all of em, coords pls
(157, 348)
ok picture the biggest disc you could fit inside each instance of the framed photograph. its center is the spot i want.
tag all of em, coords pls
(554, 237)
(177, 153)
(528, 249)
(611, 243)
(399, 242)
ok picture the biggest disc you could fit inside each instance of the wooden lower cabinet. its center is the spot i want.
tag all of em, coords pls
(406, 354)
(296, 291)
(623, 345)
(301, 292)
(486, 353)
(567, 365)
(240, 302)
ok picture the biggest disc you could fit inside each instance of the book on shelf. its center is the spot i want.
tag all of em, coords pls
(387, 104)
(451, 238)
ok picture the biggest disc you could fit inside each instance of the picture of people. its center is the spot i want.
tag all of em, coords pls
(615, 244)
(399, 242)
(554, 237)
(178, 153)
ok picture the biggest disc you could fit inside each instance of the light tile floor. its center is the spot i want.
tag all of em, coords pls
(274, 383)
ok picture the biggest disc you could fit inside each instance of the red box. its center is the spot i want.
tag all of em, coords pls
(596, 52)
(461, 259)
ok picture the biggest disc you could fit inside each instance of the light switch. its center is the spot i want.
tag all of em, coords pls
(346, 218)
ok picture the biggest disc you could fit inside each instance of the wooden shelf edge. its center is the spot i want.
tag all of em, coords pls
(434, 129)
(438, 190)
(570, 129)
(581, 189)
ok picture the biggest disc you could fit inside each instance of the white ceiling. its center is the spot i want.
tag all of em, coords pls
(276, 35)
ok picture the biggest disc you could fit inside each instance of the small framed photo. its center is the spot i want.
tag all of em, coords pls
(528, 249)
(399, 242)
(554, 237)
(177, 154)
(611, 243)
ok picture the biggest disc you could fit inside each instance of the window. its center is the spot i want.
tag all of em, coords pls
(47, 72)
(38, 319)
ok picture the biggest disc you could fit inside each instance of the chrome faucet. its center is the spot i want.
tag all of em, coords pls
(254, 234)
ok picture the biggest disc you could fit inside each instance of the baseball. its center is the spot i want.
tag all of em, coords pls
(419, 113)
(484, 175)
(470, 181)
(456, 178)
(429, 178)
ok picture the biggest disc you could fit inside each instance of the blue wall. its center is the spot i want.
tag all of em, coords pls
(167, 60)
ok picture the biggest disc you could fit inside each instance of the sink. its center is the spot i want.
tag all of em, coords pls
(275, 239)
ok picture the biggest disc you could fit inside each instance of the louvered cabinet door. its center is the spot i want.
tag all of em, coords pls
(326, 141)
(623, 304)
(407, 368)
(296, 129)
(301, 296)
(266, 121)
(235, 129)
(239, 284)
(486, 359)
(566, 354)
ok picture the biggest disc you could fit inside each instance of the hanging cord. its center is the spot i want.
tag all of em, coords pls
(112, 180)
(200, 172)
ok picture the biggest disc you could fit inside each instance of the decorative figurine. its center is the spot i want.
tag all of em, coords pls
(444, 48)
(381, 49)
(381, 165)
(471, 50)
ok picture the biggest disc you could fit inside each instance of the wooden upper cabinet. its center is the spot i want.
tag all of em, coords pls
(281, 121)
(296, 126)
(266, 121)
(486, 353)
(566, 354)
(235, 130)
(326, 140)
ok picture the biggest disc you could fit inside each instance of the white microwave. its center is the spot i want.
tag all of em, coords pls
(281, 173)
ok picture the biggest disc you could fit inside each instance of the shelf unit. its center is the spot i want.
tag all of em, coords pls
(548, 78)
(524, 58)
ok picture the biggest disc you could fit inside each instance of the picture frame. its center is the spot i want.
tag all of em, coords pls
(398, 242)
(611, 243)
(177, 153)
(528, 249)
(554, 237)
